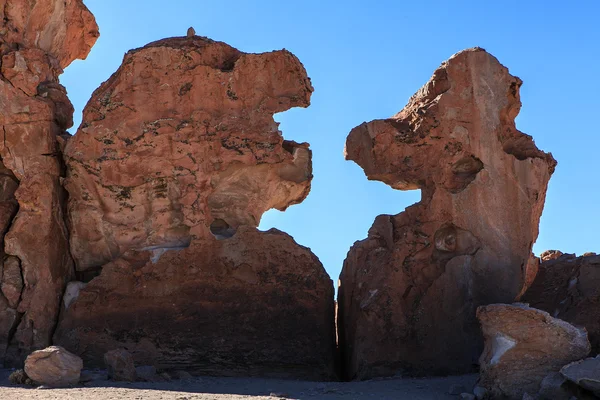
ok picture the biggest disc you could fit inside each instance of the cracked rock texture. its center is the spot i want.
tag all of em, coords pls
(568, 287)
(37, 39)
(176, 160)
(409, 291)
(523, 345)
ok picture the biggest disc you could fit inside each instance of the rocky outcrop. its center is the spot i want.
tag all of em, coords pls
(523, 346)
(37, 40)
(65, 30)
(54, 367)
(176, 160)
(409, 291)
(568, 287)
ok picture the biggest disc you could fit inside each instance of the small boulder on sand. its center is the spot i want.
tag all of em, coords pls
(120, 366)
(19, 377)
(522, 346)
(53, 366)
(146, 373)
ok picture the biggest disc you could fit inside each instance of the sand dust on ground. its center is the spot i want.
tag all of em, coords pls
(204, 388)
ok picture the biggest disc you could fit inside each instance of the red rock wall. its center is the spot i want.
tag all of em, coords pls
(37, 39)
(409, 291)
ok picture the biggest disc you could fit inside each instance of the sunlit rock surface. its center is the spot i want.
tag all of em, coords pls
(176, 160)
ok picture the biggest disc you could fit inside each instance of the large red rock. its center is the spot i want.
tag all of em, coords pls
(568, 287)
(409, 292)
(38, 39)
(523, 346)
(176, 160)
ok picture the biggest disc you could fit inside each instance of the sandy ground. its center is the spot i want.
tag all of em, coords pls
(205, 388)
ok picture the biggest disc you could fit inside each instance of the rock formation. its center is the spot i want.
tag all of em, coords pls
(37, 40)
(523, 345)
(176, 160)
(409, 292)
(568, 287)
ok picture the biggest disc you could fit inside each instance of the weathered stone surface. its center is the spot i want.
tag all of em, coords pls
(146, 373)
(19, 377)
(72, 292)
(8, 285)
(256, 303)
(152, 166)
(568, 287)
(120, 365)
(176, 160)
(550, 255)
(65, 30)
(584, 373)
(53, 366)
(523, 345)
(12, 281)
(409, 291)
(556, 387)
(37, 39)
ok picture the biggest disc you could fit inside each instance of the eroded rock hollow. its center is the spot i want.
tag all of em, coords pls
(176, 160)
(409, 291)
(37, 40)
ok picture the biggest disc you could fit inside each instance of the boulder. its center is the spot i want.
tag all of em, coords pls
(556, 387)
(176, 160)
(568, 287)
(120, 365)
(585, 374)
(53, 366)
(19, 377)
(37, 39)
(553, 387)
(409, 291)
(523, 346)
(146, 373)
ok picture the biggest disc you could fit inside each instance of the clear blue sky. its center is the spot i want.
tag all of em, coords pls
(366, 58)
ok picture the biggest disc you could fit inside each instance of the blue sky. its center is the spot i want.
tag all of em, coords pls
(365, 59)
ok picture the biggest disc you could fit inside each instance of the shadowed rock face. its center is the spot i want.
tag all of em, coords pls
(408, 293)
(176, 160)
(568, 287)
(37, 39)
